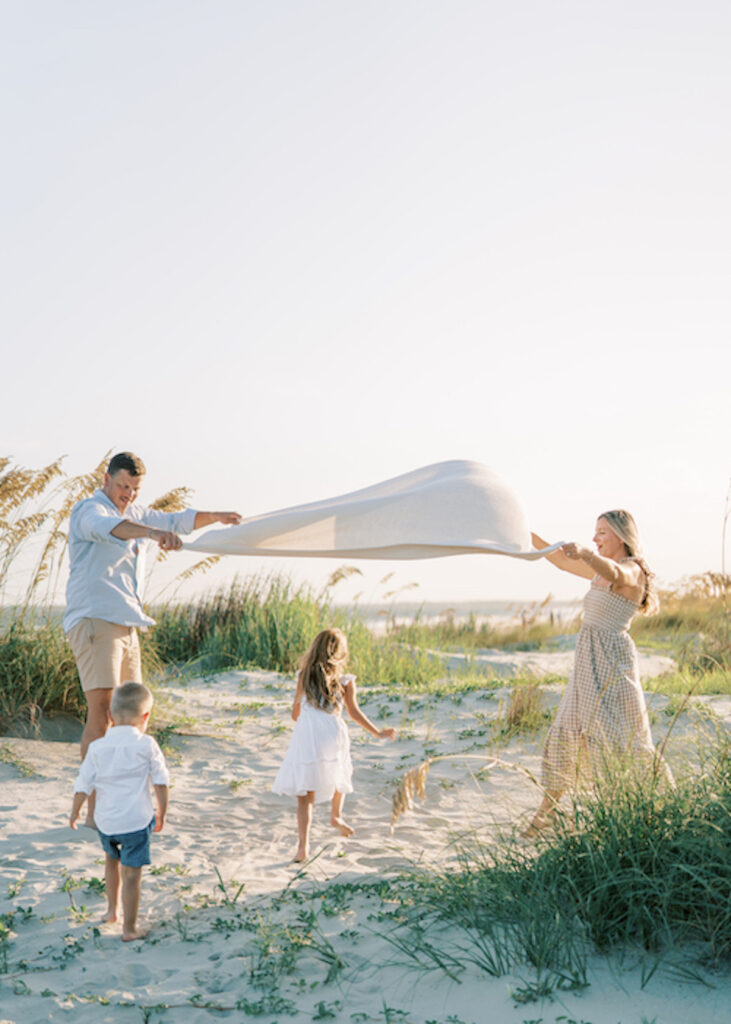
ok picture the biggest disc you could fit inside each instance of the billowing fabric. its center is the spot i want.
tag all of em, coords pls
(318, 756)
(449, 508)
(602, 712)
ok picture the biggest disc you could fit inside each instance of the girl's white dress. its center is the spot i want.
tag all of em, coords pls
(318, 756)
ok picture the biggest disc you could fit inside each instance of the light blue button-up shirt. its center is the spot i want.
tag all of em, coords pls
(106, 573)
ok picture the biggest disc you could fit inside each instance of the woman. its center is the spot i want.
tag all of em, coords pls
(603, 709)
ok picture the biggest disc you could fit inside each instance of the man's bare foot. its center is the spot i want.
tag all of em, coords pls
(342, 826)
(134, 934)
(110, 917)
(301, 856)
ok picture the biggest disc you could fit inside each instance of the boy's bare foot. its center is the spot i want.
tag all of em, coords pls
(134, 935)
(110, 917)
(342, 826)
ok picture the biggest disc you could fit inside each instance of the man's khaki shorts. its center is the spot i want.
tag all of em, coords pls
(106, 654)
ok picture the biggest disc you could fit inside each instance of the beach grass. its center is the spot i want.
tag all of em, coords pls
(267, 622)
(634, 869)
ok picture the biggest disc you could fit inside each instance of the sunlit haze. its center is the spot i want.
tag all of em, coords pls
(287, 250)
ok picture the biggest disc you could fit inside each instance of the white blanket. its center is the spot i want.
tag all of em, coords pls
(450, 508)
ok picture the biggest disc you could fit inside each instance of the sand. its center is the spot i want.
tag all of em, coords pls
(208, 937)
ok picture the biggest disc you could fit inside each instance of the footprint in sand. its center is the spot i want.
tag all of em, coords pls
(134, 975)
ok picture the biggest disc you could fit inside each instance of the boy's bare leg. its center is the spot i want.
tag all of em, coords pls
(111, 881)
(304, 820)
(336, 815)
(131, 889)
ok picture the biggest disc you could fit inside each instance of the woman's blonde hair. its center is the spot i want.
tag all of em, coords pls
(321, 669)
(622, 523)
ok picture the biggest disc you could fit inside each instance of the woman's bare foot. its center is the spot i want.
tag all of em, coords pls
(536, 827)
(342, 826)
(134, 934)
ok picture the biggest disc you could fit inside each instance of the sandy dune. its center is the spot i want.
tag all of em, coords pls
(226, 827)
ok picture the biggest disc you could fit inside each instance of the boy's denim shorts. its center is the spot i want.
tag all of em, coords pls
(132, 848)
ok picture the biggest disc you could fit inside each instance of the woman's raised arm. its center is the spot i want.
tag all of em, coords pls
(561, 561)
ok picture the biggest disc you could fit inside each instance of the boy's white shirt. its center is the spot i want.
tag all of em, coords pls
(121, 766)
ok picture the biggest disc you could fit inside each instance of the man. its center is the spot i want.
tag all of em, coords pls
(107, 537)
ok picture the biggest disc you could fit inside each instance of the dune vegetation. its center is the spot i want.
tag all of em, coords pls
(634, 867)
(267, 622)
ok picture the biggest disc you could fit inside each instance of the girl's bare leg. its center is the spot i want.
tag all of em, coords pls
(111, 882)
(336, 815)
(304, 820)
(131, 889)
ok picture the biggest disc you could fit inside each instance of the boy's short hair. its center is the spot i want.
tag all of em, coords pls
(126, 460)
(130, 700)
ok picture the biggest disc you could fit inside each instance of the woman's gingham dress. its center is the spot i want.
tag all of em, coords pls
(602, 711)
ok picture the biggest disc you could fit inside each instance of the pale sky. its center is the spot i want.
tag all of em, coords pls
(285, 250)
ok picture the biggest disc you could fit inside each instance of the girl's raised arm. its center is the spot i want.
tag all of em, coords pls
(298, 695)
(351, 703)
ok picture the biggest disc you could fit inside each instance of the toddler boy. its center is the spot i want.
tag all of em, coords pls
(120, 767)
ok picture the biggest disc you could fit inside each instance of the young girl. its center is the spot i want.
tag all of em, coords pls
(317, 764)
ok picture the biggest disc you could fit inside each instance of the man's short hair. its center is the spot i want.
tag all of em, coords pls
(130, 700)
(126, 460)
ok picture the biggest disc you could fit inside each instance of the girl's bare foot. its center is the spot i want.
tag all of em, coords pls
(132, 936)
(342, 826)
(302, 854)
(110, 917)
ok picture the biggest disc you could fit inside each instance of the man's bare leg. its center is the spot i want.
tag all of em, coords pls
(131, 889)
(304, 820)
(336, 815)
(111, 880)
(97, 723)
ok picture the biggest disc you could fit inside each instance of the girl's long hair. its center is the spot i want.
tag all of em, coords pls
(321, 669)
(622, 523)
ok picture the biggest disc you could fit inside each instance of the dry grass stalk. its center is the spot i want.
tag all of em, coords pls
(32, 510)
(524, 706)
(174, 500)
(200, 567)
(343, 572)
(413, 784)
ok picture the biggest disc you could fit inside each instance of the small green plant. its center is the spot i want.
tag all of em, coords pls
(533, 992)
(327, 1011)
(164, 869)
(15, 887)
(229, 899)
(5, 933)
(235, 784)
(8, 756)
